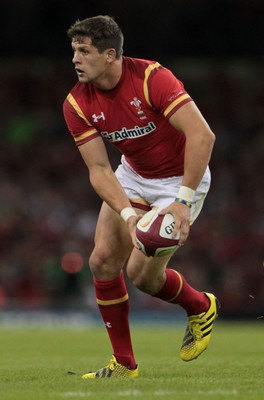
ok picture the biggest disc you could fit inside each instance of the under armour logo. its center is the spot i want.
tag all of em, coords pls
(97, 117)
(108, 324)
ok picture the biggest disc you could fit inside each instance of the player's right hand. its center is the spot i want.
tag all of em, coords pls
(132, 223)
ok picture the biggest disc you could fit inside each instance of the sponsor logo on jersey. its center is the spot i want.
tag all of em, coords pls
(133, 133)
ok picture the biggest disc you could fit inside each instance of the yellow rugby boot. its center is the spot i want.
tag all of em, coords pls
(199, 331)
(113, 369)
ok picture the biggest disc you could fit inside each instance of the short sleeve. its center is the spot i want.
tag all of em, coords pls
(80, 128)
(166, 93)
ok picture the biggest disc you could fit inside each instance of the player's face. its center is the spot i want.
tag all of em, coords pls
(90, 65)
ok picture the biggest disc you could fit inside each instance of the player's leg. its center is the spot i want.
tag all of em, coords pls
(151, 276)
(112, 248)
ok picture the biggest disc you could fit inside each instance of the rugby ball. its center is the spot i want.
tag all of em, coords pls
(154, 234)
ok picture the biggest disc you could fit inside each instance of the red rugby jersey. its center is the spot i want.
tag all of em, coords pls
(133, 116)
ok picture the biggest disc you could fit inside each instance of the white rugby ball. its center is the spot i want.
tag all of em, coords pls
(154, 234)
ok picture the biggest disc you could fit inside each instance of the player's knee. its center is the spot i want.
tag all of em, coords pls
(98, 264)
(103, 265)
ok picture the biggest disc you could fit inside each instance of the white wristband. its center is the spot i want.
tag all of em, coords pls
(127, 212)
(186, 193)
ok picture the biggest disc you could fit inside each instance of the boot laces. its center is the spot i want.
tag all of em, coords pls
(195, 325)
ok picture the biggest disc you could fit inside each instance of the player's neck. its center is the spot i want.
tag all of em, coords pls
(111, 76)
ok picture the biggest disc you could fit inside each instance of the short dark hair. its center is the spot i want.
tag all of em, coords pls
(103, 31)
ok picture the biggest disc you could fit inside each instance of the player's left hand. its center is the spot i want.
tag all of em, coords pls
(181, 214)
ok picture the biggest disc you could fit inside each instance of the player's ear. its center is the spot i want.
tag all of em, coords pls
(111, 55)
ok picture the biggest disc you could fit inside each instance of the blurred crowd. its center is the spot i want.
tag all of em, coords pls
(48, 209)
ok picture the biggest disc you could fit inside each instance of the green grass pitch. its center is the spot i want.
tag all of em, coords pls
(35, 361)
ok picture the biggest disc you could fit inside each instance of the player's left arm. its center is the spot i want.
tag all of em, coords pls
(198, 148)
(199, 142)
(168, 95)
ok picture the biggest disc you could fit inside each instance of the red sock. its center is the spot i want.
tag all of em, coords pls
(112, 299)
(176, 290)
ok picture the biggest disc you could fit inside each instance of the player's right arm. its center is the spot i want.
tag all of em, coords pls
(94, 154)
(105, 183)
(102, 177)
(93, 151)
